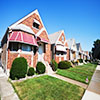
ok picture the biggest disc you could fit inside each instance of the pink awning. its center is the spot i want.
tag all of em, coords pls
(22, 37)
(42, 40)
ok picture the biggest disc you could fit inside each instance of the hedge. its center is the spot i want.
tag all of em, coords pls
(19, 68)
(64, 65)
(80, 60)
(31, 71)
(40, 68)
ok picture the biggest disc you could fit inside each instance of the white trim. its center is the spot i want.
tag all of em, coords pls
(60, 48)
(14, 52)
(59, 55)
(23, 42)
(35, 27)
(10, 35)
(17, 35)
(36, 21)
(32, 58)
(38, 33)
(26, 52)
(22, 52)
(21, 36)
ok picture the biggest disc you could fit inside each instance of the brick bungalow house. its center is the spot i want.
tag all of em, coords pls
(59, 46)
(73, 49)
(80, 53)
(26, 38)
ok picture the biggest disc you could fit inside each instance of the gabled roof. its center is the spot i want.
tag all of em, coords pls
(16, 23)
(72, 44)
(23, 27)
(54, 37)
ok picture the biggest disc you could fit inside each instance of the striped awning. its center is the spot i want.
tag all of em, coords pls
(23, 37)
(61, 48)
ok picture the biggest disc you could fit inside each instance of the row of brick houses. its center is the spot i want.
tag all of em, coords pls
(28, 38)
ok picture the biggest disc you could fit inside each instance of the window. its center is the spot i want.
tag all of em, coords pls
(60, 53)
(13, 46)
(62, 38)
(26, 47)
(35, 25)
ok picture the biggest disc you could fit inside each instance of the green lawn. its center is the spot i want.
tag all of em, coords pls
(79, 73)
(47, 88)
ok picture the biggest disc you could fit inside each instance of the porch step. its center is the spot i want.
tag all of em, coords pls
(48, 68)
(2, 72)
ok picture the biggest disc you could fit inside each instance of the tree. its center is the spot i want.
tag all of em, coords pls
(96, 49)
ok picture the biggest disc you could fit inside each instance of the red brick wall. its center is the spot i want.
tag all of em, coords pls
(44, 35)
(68, 54)
(47, 55)
(57, 59)
(60, 39)
(11, 57)
(29, 22)
(35, 60)
(62, 58)
(66, 44)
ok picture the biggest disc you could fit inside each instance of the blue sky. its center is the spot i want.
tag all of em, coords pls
(80, 19)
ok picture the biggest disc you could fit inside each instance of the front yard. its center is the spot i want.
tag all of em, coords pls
(47, 88)
(79, 73)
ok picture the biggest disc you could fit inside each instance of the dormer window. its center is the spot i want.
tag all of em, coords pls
(36, 24)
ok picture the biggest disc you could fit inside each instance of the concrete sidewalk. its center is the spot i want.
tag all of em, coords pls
(69, 80)
(93, 90)
(6, 90)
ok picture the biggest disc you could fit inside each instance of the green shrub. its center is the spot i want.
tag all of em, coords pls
(30, 71)
(87, 60)
(64, 65)
(19, 68)
(73, 62)
(81, 60)
(40, 68)
(76, 62)
(54, 65)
